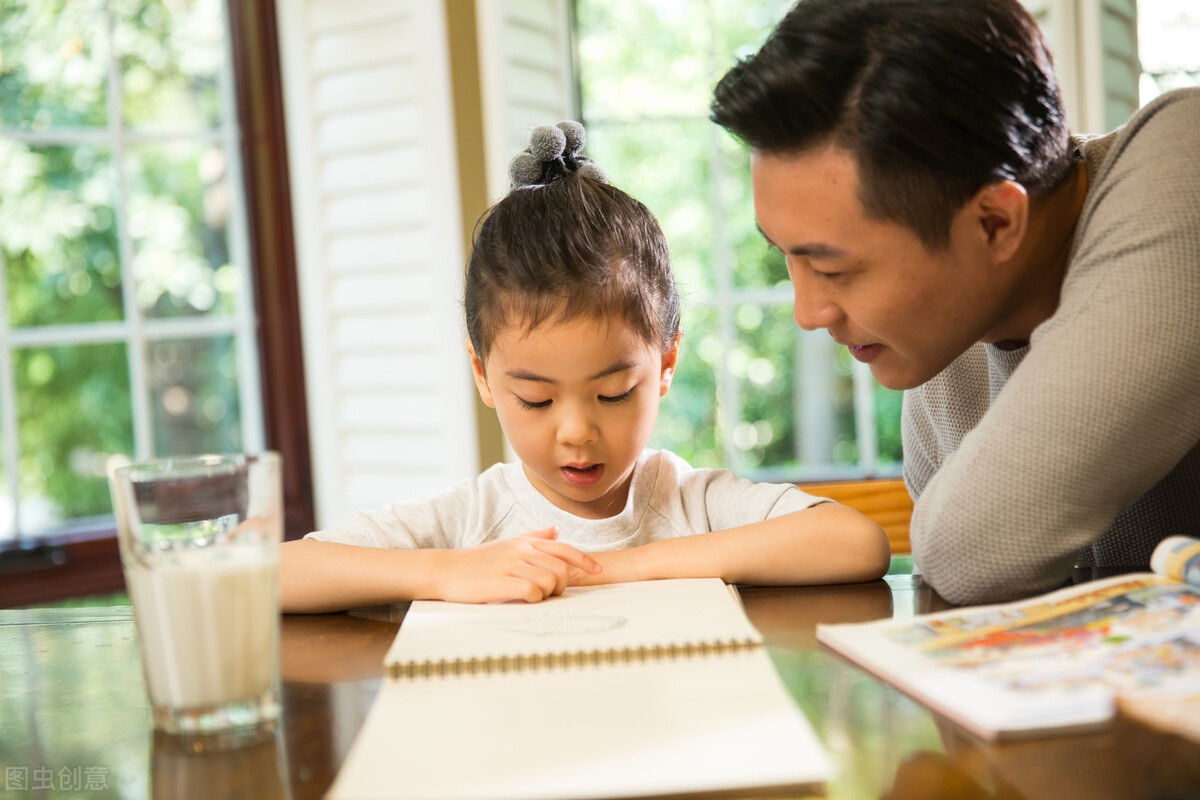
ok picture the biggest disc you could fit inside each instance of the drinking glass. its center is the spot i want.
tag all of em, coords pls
(199, 541)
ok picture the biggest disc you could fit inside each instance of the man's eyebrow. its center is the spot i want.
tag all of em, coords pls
(526, 375)
(814, 250)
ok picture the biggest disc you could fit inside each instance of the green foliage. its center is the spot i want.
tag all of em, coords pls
(73, 408)
(178, 212)
(687, 421)
(53, 64)
(58, 235)
(170, 56)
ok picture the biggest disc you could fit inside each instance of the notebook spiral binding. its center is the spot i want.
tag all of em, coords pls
(556, 661)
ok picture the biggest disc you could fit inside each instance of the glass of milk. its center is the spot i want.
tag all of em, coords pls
(199, 540)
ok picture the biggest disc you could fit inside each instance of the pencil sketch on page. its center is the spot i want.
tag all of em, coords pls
(557, 623)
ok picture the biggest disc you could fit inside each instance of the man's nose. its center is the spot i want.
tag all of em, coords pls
(813, 307)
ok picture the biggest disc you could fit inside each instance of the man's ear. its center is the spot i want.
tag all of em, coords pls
(1001, 210)
(670, 358)
(481, 381)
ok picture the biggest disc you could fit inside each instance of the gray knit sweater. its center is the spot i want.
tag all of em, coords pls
(1084, 447)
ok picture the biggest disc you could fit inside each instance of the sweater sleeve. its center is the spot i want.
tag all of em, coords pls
(1104, 404)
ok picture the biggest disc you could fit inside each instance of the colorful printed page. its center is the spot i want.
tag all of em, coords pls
(1053, 662)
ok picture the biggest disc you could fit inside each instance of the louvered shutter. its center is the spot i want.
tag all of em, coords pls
(375, 194)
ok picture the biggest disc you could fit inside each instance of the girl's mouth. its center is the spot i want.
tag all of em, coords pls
(583, 474)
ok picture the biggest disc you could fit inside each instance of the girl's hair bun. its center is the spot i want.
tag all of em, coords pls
(553, 151)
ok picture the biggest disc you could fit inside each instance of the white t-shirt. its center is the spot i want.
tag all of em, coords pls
(668, 498)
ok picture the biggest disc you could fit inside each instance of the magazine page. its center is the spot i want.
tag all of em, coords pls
(1178, 558)
(1052, 662)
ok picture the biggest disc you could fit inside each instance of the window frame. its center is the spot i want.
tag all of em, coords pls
(85, 560)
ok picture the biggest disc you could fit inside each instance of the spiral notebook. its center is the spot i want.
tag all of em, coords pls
(647, 689)
(642, 621)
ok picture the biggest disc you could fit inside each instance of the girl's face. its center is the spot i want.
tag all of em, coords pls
(577, 399)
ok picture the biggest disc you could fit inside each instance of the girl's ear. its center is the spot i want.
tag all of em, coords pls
(481, 381)
(669, 359)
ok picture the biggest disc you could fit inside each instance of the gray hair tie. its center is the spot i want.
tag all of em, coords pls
(553, 151)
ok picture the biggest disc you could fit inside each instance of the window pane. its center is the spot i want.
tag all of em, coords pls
(58, 235)
(73, 409)
(171, 56)
(1168, 32)
(195, 400)
(179, 207)
(887, 425)
(763, 363)
(740, 27)
(664, 164)
(756, 264)
(53, 63)
(687, 415)
(661, 70)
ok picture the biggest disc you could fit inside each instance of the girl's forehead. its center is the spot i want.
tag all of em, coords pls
(611, 329)
(574, 344)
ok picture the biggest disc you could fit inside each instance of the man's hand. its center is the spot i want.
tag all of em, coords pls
(530, 568)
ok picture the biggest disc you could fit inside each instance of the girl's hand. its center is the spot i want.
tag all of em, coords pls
(530, 568)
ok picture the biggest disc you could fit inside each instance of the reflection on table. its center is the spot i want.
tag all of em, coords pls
(74, 719)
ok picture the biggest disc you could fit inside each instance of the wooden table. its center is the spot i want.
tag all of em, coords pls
(74, 720)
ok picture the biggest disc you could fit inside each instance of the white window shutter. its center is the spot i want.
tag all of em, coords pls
(526, 71)
(1095, 56)
(378, 224)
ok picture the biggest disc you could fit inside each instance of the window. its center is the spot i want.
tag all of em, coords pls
(753, 391)
(127, 314)
(128, 319)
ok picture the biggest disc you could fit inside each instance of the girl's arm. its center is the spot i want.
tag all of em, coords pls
(317, 577)
(826, 543)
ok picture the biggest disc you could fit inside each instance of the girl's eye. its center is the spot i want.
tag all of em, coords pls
(531, 406)
(618, 399)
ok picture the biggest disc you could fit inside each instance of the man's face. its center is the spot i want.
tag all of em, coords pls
(906, 311)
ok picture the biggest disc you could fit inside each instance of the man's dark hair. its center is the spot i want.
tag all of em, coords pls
(935, 99)
(573, 247)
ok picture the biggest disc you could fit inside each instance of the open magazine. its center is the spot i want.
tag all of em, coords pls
(1052, 663)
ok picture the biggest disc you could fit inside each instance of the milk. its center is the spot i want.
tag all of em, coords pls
(208, 620)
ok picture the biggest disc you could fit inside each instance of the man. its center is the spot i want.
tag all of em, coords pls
(1034, 292)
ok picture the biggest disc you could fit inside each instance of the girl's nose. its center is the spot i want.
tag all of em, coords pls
(576, 426)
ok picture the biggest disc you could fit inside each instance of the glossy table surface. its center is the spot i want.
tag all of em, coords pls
(74, 720)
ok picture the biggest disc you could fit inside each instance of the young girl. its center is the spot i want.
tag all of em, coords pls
(573, 323)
